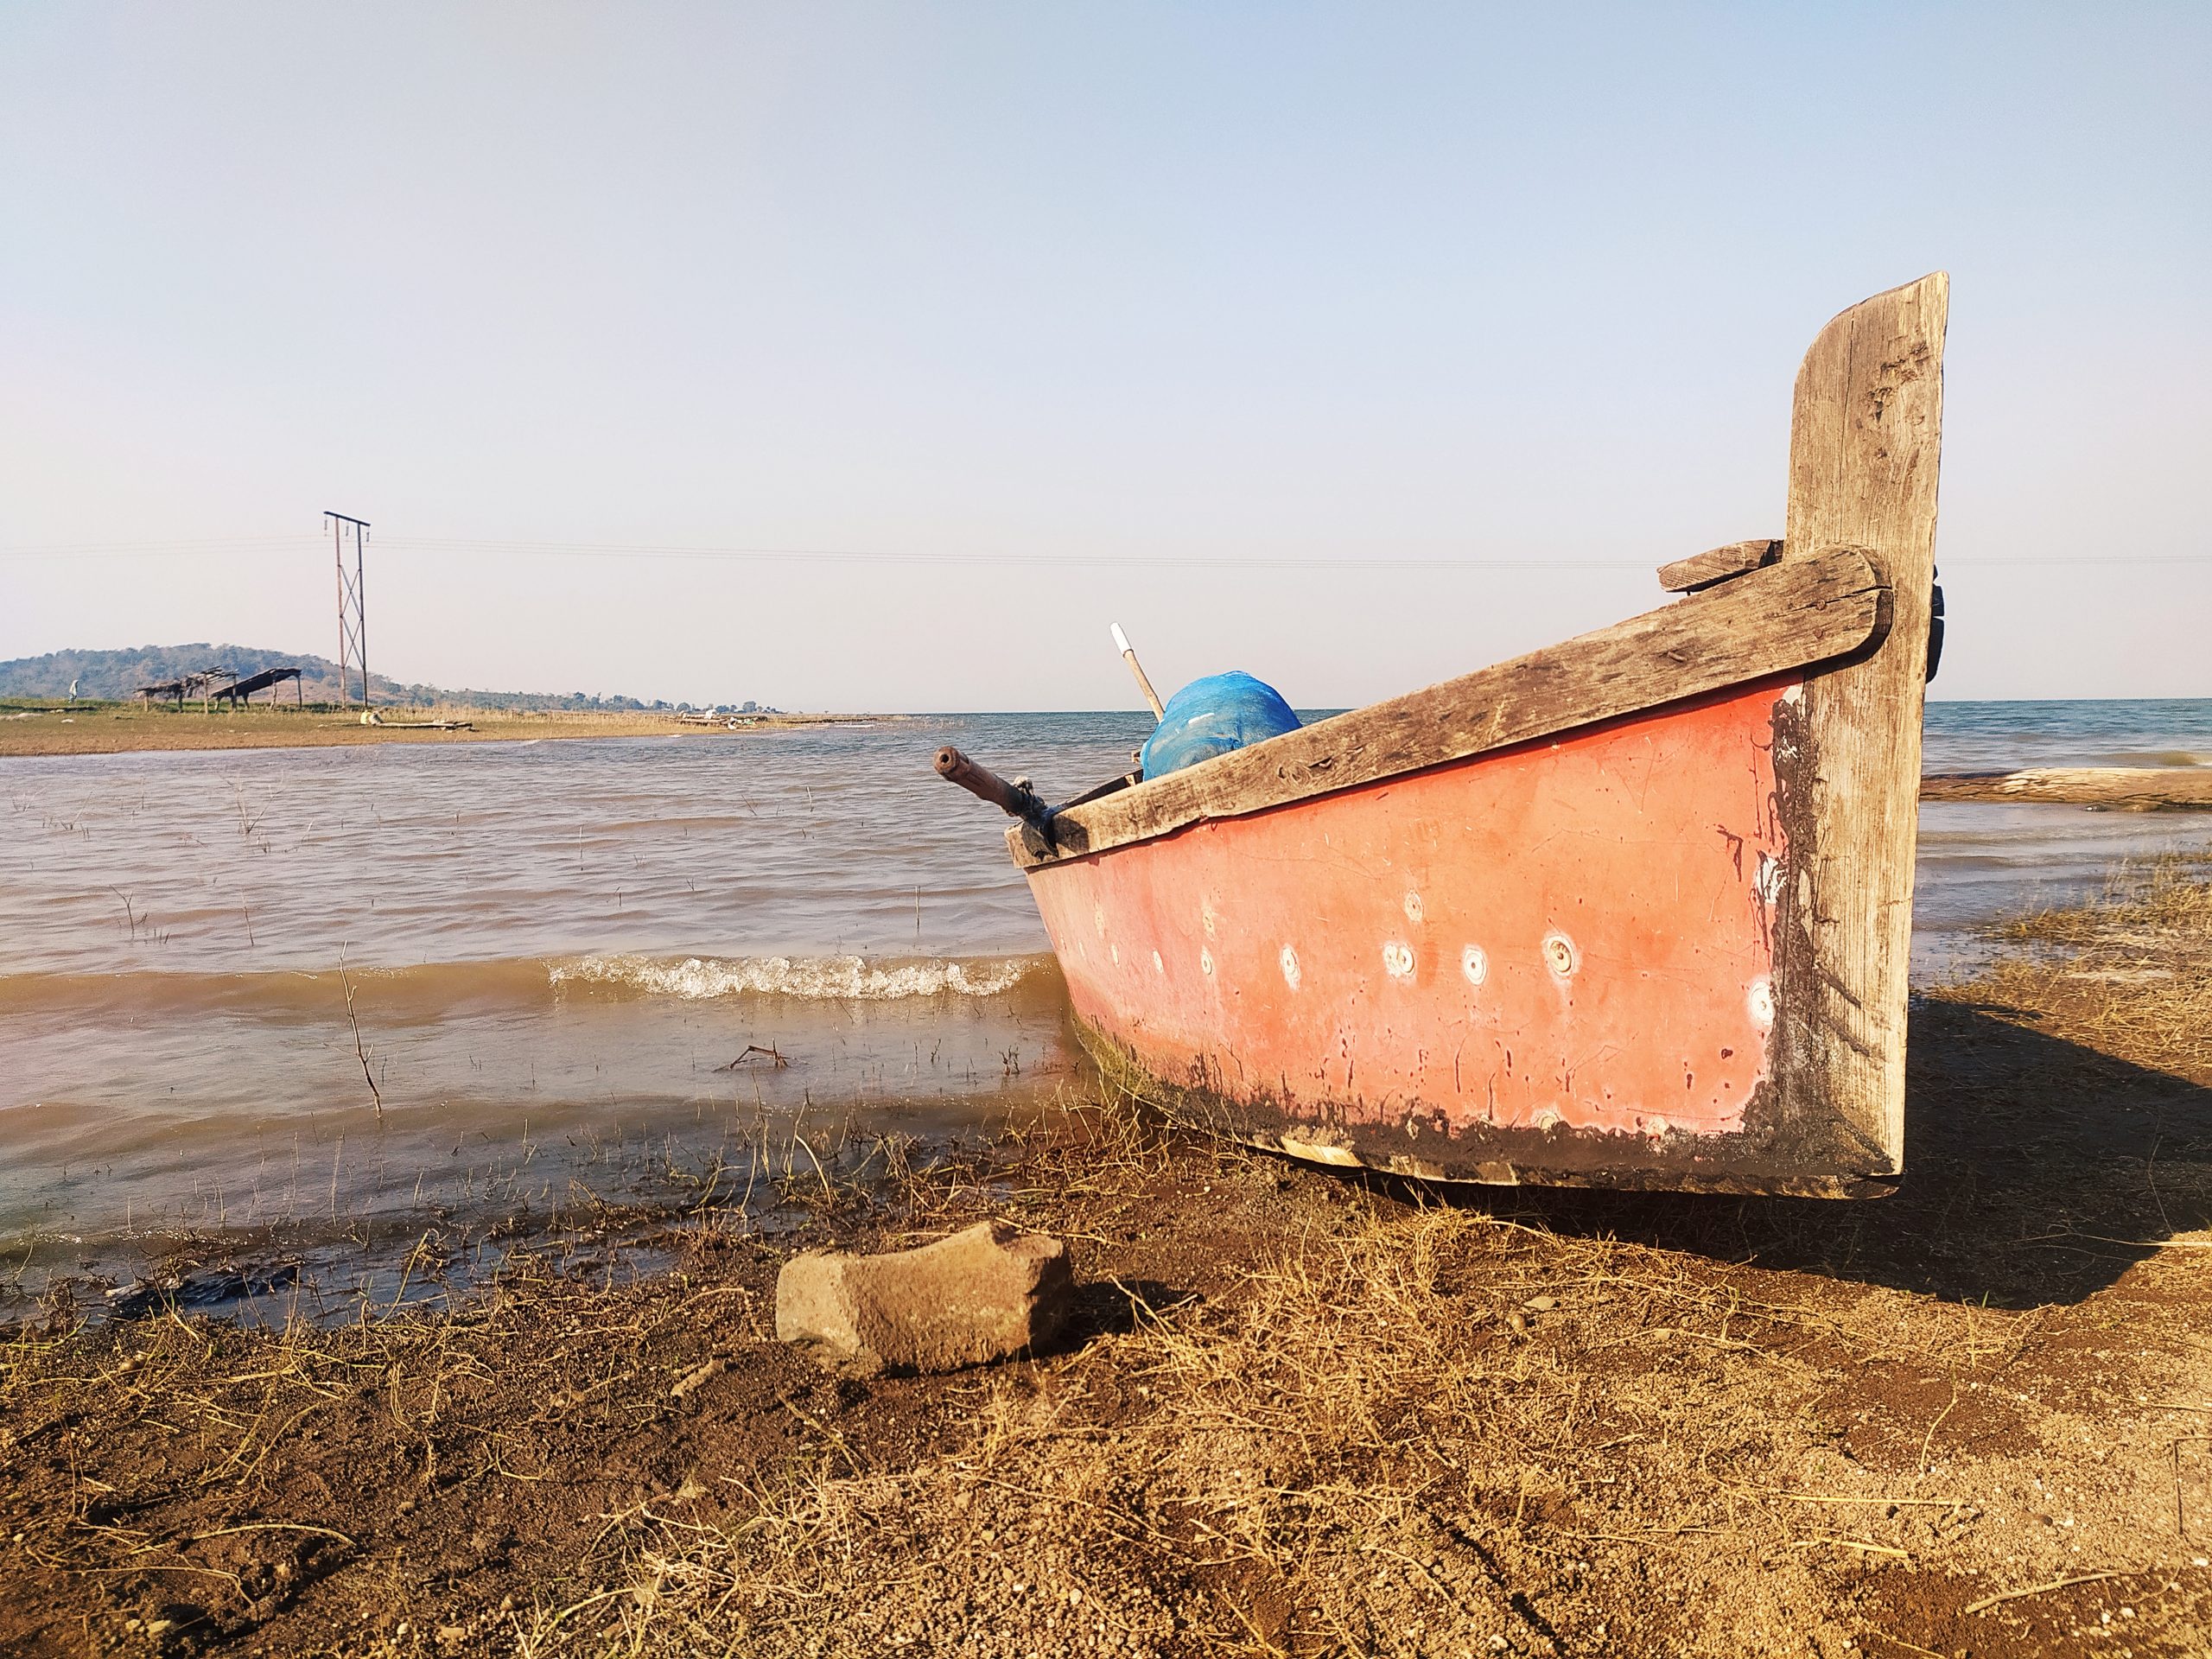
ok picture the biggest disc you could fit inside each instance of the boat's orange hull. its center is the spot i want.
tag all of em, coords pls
(1555, 958)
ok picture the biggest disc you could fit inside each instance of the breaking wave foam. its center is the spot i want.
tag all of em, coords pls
(858, 978)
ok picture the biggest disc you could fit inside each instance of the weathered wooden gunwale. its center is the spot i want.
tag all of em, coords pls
(1708, 570)
(1768, 620)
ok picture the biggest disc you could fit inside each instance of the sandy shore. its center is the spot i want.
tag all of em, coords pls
(115, 728)
(1300, 1413)
(2133, 789)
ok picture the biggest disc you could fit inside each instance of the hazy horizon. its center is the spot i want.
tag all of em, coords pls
(1024, 321)
(648, 695)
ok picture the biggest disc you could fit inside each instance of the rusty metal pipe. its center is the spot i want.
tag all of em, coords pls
(1016, 799)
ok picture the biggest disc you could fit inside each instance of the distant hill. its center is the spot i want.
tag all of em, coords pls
(118, 674)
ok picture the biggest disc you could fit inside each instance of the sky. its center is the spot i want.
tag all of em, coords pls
(878, 357)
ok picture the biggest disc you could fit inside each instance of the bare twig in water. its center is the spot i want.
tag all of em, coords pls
(360, 1051)
(247, 823)
(777, 1059)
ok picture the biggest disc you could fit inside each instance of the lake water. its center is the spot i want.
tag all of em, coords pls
(1981, 861)
(291, 990)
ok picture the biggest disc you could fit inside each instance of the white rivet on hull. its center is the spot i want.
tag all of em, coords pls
(1760, 1001)
(1560, 956)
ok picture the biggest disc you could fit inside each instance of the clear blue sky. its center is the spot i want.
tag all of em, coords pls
(1082, 283)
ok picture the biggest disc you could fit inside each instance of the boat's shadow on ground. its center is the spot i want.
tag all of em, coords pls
(2037, 1171)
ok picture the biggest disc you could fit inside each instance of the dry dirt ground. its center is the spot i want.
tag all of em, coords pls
(1299, 1415)
(113, 729)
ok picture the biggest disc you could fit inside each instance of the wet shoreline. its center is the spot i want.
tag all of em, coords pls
(257, 999)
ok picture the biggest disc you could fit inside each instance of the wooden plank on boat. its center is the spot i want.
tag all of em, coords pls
(1800, 611)
(1864, 448)
(1703, 570)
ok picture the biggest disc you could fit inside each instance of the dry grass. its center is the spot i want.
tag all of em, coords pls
(2133, 971)
(1392, 1430)
(1435, 1433)
(416, 1401)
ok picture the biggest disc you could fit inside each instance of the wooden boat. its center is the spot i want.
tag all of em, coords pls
(1631, 912)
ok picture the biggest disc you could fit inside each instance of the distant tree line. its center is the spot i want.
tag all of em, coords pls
(116, 675)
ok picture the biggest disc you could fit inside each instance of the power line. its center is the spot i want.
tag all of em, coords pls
(464, 547)
(1024, 560)
(391, 545)
(214, 548)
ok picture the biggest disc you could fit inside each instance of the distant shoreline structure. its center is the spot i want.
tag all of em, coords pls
(114, 728)
(117, 675)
